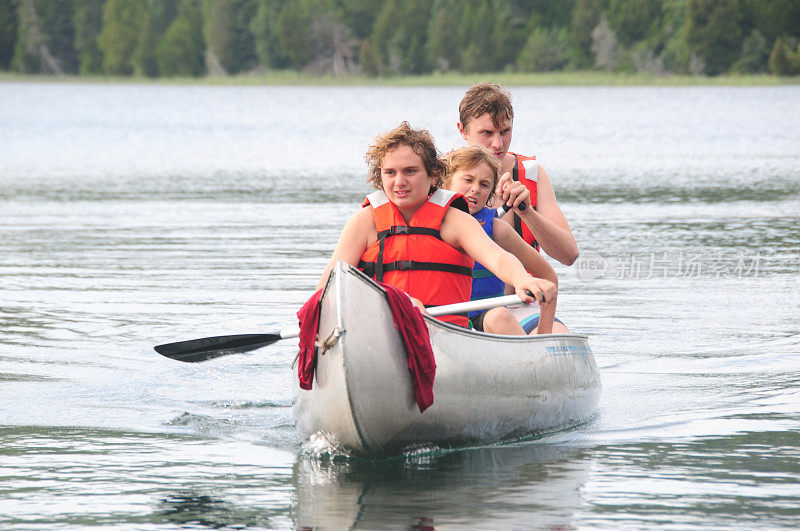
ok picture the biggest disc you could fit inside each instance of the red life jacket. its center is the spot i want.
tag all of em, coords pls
(526, 171)
(413, 256)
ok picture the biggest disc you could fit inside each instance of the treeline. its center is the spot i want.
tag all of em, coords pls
(398, 37)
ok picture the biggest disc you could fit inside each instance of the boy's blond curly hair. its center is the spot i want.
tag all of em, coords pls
(419, 140)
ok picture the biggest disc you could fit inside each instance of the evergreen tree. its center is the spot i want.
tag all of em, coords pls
(368, 59)
(782, 61)
(230, 44)
(398, 42)
(634, 20)
(32, 49)
(413, 28)
(263, 27)
(585, 18)
(544, 51)
(219, 33)
(244, 44)
(88, 20)
(774, 18)
(293, 32)
(57, 21)
(359, 16)
(8, 33)
(144, 55)
(714, 32)
(443, 47)
(672, 39)
(507, 38)
(478, 23)
(377, 57)
(755, 54)
(544, 13)
(162, 13)
(180, 52)
(122, 25)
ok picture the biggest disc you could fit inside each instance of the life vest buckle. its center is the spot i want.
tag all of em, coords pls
(403, 265)
(398, 229)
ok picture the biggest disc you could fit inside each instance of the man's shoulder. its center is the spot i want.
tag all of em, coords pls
(517, 156)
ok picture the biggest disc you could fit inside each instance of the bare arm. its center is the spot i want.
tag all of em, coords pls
(358, 234)
(462, 231)
(546, 222)
(508, 239)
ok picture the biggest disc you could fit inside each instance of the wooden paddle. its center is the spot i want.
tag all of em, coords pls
(194, 350)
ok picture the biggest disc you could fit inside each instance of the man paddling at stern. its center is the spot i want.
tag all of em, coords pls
(486, 117)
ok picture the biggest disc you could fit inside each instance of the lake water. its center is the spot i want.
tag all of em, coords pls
(136, 215)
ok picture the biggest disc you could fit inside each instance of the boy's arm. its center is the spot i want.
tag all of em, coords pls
(353, 241)
(546, 222)
(535, 263)
(462, 231)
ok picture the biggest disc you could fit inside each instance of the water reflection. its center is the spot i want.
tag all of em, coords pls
(536, 485)
(192, 508)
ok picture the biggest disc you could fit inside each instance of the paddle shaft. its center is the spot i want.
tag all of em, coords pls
(207, 348)
(447, 309)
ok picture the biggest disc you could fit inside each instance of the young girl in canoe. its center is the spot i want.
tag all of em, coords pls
(473, 172)
(407, 234)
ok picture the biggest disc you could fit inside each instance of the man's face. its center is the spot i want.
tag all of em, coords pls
(482, 130)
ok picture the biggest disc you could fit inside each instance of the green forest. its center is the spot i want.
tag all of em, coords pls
(193, 38)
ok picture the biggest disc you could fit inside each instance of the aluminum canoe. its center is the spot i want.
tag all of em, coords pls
(488, 387)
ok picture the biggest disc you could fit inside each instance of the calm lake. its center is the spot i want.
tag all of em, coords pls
(133, 215)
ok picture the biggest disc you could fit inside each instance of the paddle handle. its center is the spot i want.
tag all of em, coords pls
(503, 209)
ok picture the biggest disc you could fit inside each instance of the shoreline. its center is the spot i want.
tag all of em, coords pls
(544, 79)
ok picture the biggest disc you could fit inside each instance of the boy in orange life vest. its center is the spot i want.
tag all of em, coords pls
(486, 117)
(407, 225)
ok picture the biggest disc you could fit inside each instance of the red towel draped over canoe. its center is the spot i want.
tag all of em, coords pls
(407, 320)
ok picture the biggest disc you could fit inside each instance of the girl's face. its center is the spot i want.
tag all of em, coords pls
(475, 184)
(405, 180)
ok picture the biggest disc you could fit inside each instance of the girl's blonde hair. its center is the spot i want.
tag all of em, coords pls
(468, 157)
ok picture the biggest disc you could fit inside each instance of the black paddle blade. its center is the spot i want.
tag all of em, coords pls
(207, 348)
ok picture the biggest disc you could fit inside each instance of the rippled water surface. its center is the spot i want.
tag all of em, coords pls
(136, 215)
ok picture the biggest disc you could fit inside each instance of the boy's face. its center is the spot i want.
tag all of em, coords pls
(405, 180)
(482, 130)
(476, 184)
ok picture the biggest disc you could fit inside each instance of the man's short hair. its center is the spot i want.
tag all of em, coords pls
(486, 98)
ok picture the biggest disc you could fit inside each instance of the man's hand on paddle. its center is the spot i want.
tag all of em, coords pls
(512, 192)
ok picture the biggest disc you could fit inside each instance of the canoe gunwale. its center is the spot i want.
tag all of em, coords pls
(450, 327)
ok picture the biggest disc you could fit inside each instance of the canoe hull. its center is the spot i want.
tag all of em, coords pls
(487, 387)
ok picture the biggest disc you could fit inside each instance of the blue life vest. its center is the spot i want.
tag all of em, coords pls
(484, 283)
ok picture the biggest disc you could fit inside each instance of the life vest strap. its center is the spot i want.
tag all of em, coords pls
(405, 229)
(411, 265)
(517, 219)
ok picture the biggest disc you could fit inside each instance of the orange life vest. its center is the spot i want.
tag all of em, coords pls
(526, 171)
(413, 256)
